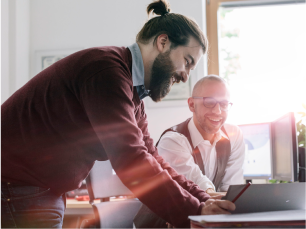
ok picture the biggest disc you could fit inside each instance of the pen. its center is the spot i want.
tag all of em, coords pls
(242, 191)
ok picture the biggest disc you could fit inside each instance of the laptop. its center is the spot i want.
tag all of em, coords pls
(267, 197)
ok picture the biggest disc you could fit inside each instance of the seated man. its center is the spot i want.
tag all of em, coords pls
(204, 148)
(206, 135)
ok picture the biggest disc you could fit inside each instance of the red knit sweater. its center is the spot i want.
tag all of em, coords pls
(81, 109)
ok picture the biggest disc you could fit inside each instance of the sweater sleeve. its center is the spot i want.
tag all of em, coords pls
(107, 98)
(187, 184)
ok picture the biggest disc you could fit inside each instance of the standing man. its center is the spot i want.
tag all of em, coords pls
(87, 107)
(204, 148)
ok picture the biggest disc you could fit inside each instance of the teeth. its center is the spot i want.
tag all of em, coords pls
(216, 120)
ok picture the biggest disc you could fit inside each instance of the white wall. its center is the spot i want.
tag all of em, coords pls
(40, 25)
(14, 46)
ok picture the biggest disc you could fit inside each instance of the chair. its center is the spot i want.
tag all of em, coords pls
(102, 183)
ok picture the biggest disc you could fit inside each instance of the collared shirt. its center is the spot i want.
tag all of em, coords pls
(138, 71)
(176, 150)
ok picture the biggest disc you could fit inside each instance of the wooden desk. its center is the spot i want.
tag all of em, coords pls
(72, 205)
(76, 212)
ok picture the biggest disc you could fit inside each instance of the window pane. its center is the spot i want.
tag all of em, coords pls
(262, 54)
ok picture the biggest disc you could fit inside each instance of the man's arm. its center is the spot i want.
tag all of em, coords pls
(186, 183)
(234, 168)
(108, 101)
(176, 150)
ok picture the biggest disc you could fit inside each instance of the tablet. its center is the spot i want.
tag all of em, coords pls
(267, 197)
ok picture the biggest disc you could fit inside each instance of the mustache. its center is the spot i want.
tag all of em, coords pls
(177, 78)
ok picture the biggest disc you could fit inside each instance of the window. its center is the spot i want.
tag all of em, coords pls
(259, 48)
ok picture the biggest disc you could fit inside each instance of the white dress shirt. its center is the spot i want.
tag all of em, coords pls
(176, 150)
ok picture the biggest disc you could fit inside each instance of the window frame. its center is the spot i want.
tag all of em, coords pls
(212, 7)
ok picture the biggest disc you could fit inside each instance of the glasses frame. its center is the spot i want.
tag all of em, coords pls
(199, 97)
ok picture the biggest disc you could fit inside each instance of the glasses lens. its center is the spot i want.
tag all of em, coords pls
(209, 102)
(224, 106)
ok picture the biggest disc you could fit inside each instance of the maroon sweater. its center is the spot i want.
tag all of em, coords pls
(81, 109)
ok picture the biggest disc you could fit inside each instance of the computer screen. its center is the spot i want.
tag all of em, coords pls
(285, 148)
(257, 161)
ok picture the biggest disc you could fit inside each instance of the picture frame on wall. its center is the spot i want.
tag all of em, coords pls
(177, 96)
(179, 91)
(45, 58)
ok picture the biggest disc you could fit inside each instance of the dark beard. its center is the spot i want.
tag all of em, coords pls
(162, 71)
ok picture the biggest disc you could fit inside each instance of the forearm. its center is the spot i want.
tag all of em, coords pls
(188, 185)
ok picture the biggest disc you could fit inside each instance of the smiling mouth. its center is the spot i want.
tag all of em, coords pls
(176, 79)
(214, 121)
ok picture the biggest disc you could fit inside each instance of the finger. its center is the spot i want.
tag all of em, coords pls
(216, 209)
(218, 197)
(225, 204)
(209, 201)
(213, 209)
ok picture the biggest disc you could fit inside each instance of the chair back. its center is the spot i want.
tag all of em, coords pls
(116, 214)
(102, 182)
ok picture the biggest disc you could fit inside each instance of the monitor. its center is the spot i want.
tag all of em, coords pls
(285, 149)
(258, 148)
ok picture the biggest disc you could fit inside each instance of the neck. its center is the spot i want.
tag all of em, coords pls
(148, 53)
(206, 136)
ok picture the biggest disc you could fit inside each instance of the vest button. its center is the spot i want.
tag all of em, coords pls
(8, 199)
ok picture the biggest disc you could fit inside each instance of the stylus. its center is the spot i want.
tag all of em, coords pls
(242, 191)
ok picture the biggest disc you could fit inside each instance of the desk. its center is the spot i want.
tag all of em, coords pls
(76, 212)
(79, 207)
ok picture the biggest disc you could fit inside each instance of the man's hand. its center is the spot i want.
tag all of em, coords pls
(215, 207)
(215, 195)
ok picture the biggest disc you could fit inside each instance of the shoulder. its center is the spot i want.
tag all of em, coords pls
(174, 140)
(109, 62)
(233, 131)
(111, 56)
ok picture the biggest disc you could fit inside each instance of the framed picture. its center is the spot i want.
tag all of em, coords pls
(180, 91)
(45, 58)
(177, 96)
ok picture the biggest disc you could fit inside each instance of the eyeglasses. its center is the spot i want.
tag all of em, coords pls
(211, 103)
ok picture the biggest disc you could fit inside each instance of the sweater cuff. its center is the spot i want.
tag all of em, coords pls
(202, 204)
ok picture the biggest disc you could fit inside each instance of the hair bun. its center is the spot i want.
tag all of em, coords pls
(160, 7)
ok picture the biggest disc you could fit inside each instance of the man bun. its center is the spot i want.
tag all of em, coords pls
(178, 27)
(160, 7)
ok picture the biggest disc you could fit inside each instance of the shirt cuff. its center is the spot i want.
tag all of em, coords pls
(202, 204)
(206, 186)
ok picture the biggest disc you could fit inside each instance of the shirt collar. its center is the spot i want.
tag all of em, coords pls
(137, 65)
(138, 71)
(196, 136)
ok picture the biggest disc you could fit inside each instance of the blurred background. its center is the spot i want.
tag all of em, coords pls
(257, 46)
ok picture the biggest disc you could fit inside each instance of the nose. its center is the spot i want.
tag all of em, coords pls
(188, 72)
(185, 76)
(216, 109)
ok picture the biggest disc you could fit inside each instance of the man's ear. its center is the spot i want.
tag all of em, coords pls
(191, 104)
(163, 43)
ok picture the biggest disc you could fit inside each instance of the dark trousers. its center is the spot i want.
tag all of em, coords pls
(145, 218)
(28, 206)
